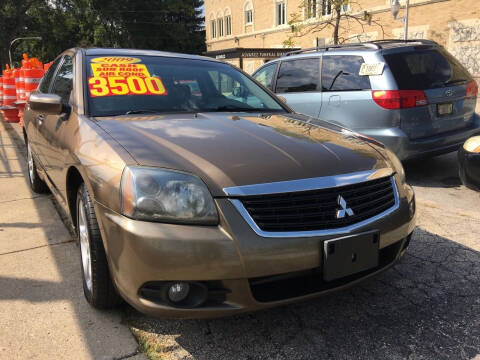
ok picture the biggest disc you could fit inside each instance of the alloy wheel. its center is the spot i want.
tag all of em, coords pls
(84, 245)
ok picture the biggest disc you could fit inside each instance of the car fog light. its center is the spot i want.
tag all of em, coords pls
(411, 207)
(178, 292)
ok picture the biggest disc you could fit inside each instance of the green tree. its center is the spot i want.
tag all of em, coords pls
(153, 24)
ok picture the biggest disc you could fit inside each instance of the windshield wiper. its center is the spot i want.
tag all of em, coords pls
(236, 109)
(449, 82)
(341, 72)
(130, 112)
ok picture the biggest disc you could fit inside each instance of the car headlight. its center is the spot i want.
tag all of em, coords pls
(155, 194)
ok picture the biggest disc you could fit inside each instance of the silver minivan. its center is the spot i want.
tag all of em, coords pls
(413, 96)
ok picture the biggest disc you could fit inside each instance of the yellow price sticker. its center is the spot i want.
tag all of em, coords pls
(121, 85)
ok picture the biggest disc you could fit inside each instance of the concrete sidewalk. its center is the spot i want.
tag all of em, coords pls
(43, 314)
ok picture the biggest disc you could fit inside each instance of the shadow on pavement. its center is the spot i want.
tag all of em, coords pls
(438, 171)
(87, 333)
(425, 307)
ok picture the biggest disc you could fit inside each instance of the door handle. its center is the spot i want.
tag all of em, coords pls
(40, 119)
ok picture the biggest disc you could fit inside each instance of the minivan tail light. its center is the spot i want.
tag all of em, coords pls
(399, 99)
(472, 89)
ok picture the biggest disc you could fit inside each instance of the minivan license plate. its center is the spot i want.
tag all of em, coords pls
(444, 109)
(349, 255)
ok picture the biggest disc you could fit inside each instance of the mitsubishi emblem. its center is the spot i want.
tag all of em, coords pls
(344, 211)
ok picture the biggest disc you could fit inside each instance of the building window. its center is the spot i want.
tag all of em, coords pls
(248, 13)
(228, 25)
(310, 9)
(248, 16)
(280, 13)
(220, 27)
(326, 7)
(213, 29)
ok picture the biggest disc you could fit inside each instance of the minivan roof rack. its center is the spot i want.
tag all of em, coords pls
(400, 41)
(374, 44)
(369, 45)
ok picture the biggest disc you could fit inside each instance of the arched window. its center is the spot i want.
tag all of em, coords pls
(228, 21)
(248, 12)
(213, 27)
(220, 24)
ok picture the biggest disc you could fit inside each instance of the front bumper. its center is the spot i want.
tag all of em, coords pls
(250, 267)
(405, 148)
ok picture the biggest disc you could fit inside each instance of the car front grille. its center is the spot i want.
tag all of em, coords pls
(317, 209)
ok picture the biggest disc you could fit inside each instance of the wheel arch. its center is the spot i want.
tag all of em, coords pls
(75, 177)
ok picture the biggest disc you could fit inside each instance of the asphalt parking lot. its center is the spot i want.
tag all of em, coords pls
(426, 307)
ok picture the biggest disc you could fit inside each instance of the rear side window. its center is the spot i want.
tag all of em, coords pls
(265, 76)
(47, 78)
(341, 73)
(426, 69)
(298, 75)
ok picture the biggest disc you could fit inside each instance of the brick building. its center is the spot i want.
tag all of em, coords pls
(248, 33)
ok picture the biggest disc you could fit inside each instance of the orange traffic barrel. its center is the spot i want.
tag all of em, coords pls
(19, 90)
(9, 90)
(10, 112)
(1, 90)
(25, 60)
(32, 76)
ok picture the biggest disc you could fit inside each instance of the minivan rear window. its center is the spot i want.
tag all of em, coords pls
(426, 69)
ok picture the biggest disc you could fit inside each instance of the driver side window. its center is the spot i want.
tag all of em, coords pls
(47, 78)
(63, 84)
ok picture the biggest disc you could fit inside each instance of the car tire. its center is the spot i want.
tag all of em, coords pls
(97, 284)
(36, 184)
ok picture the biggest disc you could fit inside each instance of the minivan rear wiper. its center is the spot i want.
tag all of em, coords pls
(146, 111)
(449, 82)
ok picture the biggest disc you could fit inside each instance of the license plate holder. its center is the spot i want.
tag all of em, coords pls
(350, 255)
(444, 109)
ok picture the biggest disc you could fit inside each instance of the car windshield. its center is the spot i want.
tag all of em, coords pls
(119, 85)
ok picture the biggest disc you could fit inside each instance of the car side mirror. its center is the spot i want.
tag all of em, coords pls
(50, 104)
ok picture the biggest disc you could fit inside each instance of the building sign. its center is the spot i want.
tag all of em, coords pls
(248, 53)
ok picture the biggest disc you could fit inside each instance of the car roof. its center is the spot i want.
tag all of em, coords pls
(140, 52)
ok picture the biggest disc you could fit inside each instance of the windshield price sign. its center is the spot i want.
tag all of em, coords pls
(113, 76)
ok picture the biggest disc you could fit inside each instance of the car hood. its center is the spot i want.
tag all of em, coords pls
(227, 150)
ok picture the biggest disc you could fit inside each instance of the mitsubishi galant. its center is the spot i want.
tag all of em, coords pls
(196, 192)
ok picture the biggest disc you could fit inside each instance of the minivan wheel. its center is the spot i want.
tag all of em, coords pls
(37, 184)
(97, 284)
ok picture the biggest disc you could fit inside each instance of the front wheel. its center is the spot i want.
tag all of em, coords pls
(97, 284)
